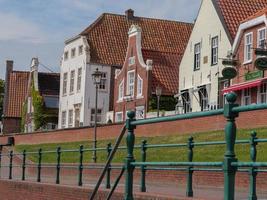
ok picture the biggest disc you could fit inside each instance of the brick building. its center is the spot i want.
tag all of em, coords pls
(250, 83)
(144, 70)
(15, 93)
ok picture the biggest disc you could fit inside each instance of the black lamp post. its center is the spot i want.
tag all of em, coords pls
(10, 142)
(97, 75)
(158, 94)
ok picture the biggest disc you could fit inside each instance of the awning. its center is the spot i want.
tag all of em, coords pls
(242, 86)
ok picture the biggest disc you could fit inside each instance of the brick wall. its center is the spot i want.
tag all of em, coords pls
(11, 125)
(17, 190)
(252, 119)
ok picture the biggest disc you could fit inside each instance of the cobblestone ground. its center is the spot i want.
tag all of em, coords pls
(69, 176)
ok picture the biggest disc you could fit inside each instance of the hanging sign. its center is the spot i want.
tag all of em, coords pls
(261, 63)
(229, 73)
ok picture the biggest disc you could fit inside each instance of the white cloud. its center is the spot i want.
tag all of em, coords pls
(17, 29)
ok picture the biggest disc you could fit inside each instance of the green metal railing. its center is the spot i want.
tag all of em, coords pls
(229, 165)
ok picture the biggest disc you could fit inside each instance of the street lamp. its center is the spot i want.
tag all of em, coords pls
(158, 94)
(97, 75)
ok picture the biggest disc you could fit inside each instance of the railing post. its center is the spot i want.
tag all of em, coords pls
(23, 164)
(143, 168)
(252, 171)
(39, 165)
(189, 187)
(58, 165)
(109, 149)
(130, 139)
(229, 156)
(10, 164)
(80, 177)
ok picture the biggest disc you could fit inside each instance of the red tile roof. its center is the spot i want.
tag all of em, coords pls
(18, 83)
(257, 14)
(108, 37)
(235, 11)
(165, 71)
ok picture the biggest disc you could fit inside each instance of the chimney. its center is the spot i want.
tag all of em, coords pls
(9, 69)
(129, 14)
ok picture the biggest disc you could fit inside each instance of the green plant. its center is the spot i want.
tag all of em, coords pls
(166, 103)
(38, 107)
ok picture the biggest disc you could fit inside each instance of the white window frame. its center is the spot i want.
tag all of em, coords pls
(103, 82)
(131, 60)
(117, 118)
(99, 115)
(65, 83)
(80, 49)
(248, 45)
(73, 52)
(63, 119)
(214, 50)
(72, 81)
(79, 79)
(197, 56)
(262, 93)
(246, 97)
(121, 91)
(139, 86)
(130, 86)
(70, 118)
(259, 39)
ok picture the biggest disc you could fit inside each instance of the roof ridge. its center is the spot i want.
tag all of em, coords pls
(17, 71)
(93, 24)
(49, 73)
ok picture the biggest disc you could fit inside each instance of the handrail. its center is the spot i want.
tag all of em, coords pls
(213, 164)
(118, 141)
(178, 117)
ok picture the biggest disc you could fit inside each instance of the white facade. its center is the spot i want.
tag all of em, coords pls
(77, 90)
(199, 80)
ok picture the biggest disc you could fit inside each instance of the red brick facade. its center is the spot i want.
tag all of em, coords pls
(247, 73)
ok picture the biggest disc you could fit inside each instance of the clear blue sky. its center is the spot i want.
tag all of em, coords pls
(39, 28)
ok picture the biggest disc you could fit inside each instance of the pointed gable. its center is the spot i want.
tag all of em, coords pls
(108, 38)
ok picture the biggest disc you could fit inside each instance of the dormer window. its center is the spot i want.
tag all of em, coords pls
(132, 60)
(248, 48)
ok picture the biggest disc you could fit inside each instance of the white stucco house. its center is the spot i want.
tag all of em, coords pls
(103, 45)
(200, 78)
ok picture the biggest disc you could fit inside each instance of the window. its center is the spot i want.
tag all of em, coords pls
(65, 81)
(70, 121)
(186, 102)
(121, 91)
(197, 57)
(72, 74)
(203, 99)
(261, 38)
(248, 47)
(262, 96)
(66, 55)
(81, 50)
(79, 79)
(63, 119)
(140, 112)
(98, 117)
(246, 100)
(77, 117)
(139, 86)
(119, 117)
(73, 52)
(214, 51)
(132, 60)
(130, 83)
(103, 81)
